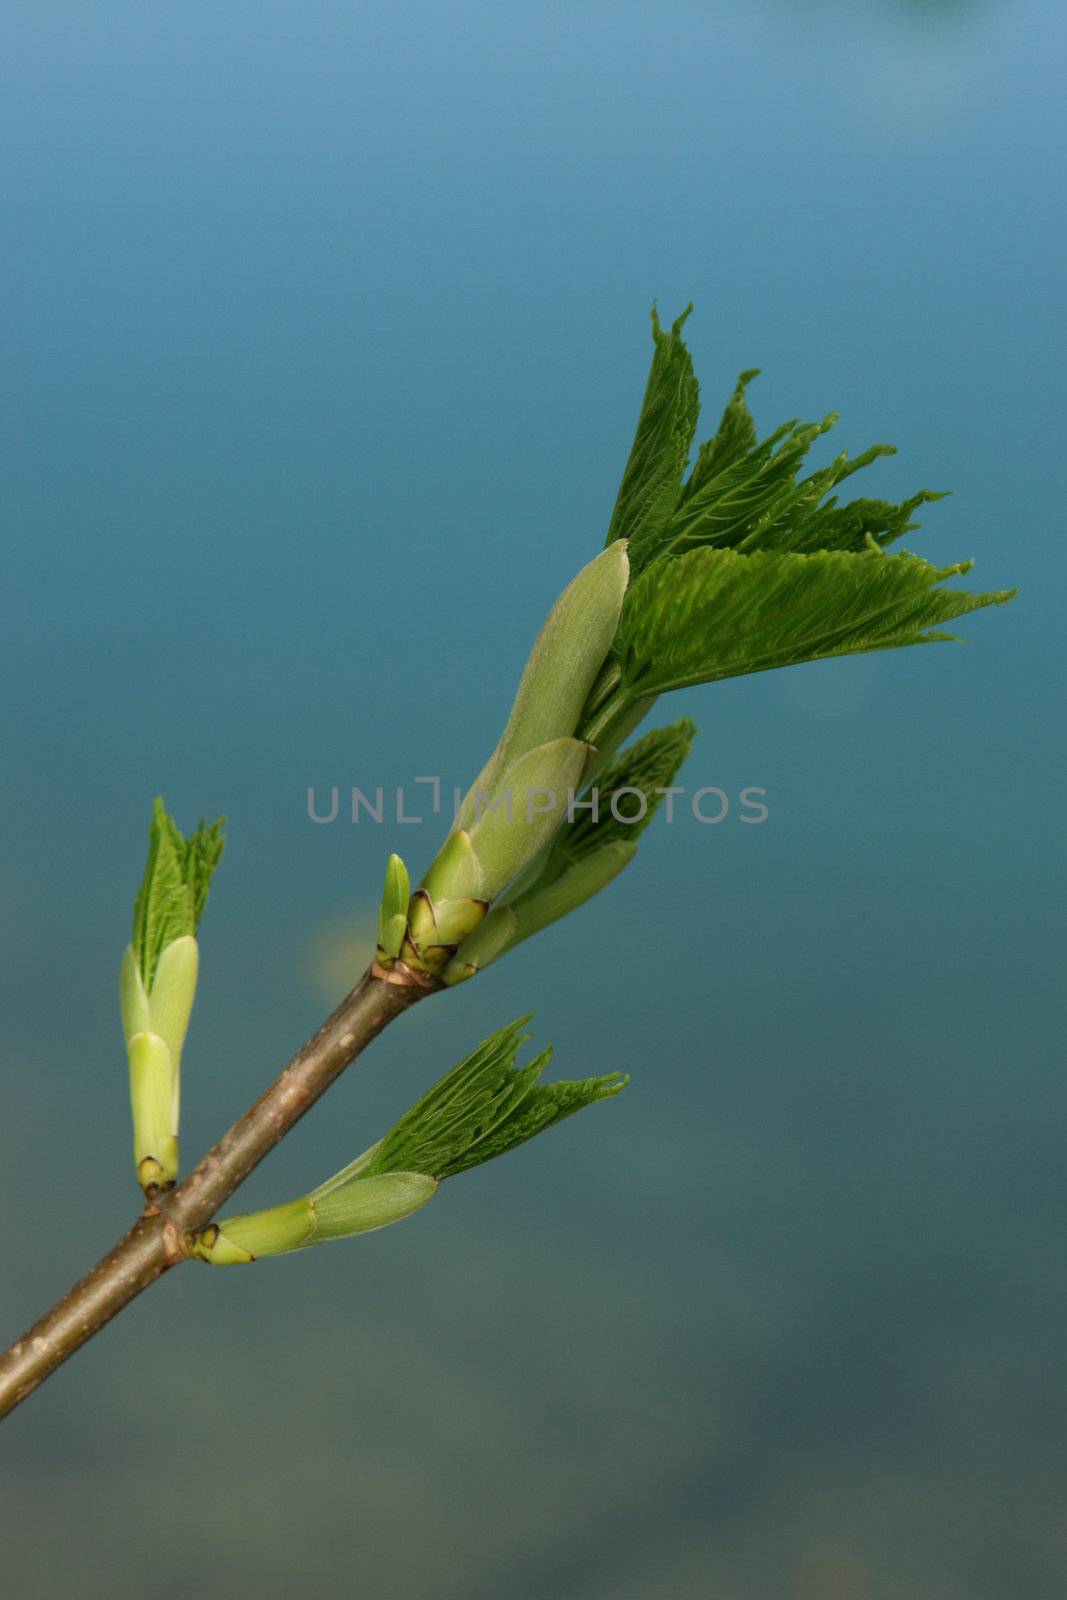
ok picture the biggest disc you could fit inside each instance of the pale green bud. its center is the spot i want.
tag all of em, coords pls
(485, 944)
(273, 1232)
(529, 802)
(393, 912)
(397, 889)
(443, 911)
(133, 1001)
(442, 921)
(456, 873)
(543, 904)
(157, 985)
(213, 1246)
(447, 907)
(566, 657)
(391, 937)
(436, 928)
(154, 1025)
(368, 1203)
(170, 999)
(152, 1101)
(340, 1209)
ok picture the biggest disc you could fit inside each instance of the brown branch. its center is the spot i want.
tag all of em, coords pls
(157, 1240)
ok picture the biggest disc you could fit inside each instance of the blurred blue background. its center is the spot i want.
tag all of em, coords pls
(324, 332)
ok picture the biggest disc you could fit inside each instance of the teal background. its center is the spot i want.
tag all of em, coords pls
(324, 331)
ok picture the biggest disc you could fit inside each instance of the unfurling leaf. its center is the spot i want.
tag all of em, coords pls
(157, 986)
(717, 614)
(174, 890)
(659, 455)
(629, 793)
(736, 435)
(481, 1109)
(741, 494)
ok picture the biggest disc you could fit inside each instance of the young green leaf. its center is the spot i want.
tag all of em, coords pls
(636, 779)
(733, 504)
(735, 437)
(659, 456)
(174, 890)
(853, 526)
(482, 1108)
(717, 614)
(740, 494)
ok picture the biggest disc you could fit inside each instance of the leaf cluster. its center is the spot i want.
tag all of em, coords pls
(747, 564)
(484, 1107)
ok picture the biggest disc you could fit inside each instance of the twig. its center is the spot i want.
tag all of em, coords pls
(158, 1240)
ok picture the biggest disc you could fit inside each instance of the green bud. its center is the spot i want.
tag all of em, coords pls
(152, 1100)
(542, 904)
(436, 928)
(133, 1001)
(391, 936)
(393, 912)
(566, 658)
(170, 1002)
(273, 1232)
(446, 908)
(340, 1209)
(397, 889)
(157, 985)
(154, 1026)
(442, 921)
(212, 1245)
(364, 1204)
(529, 802)
(585, 854)
(545, 904)
(456, 873)
(485, 944)
(522, 793)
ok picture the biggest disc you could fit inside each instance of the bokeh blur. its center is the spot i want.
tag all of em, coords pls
(324, 331)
